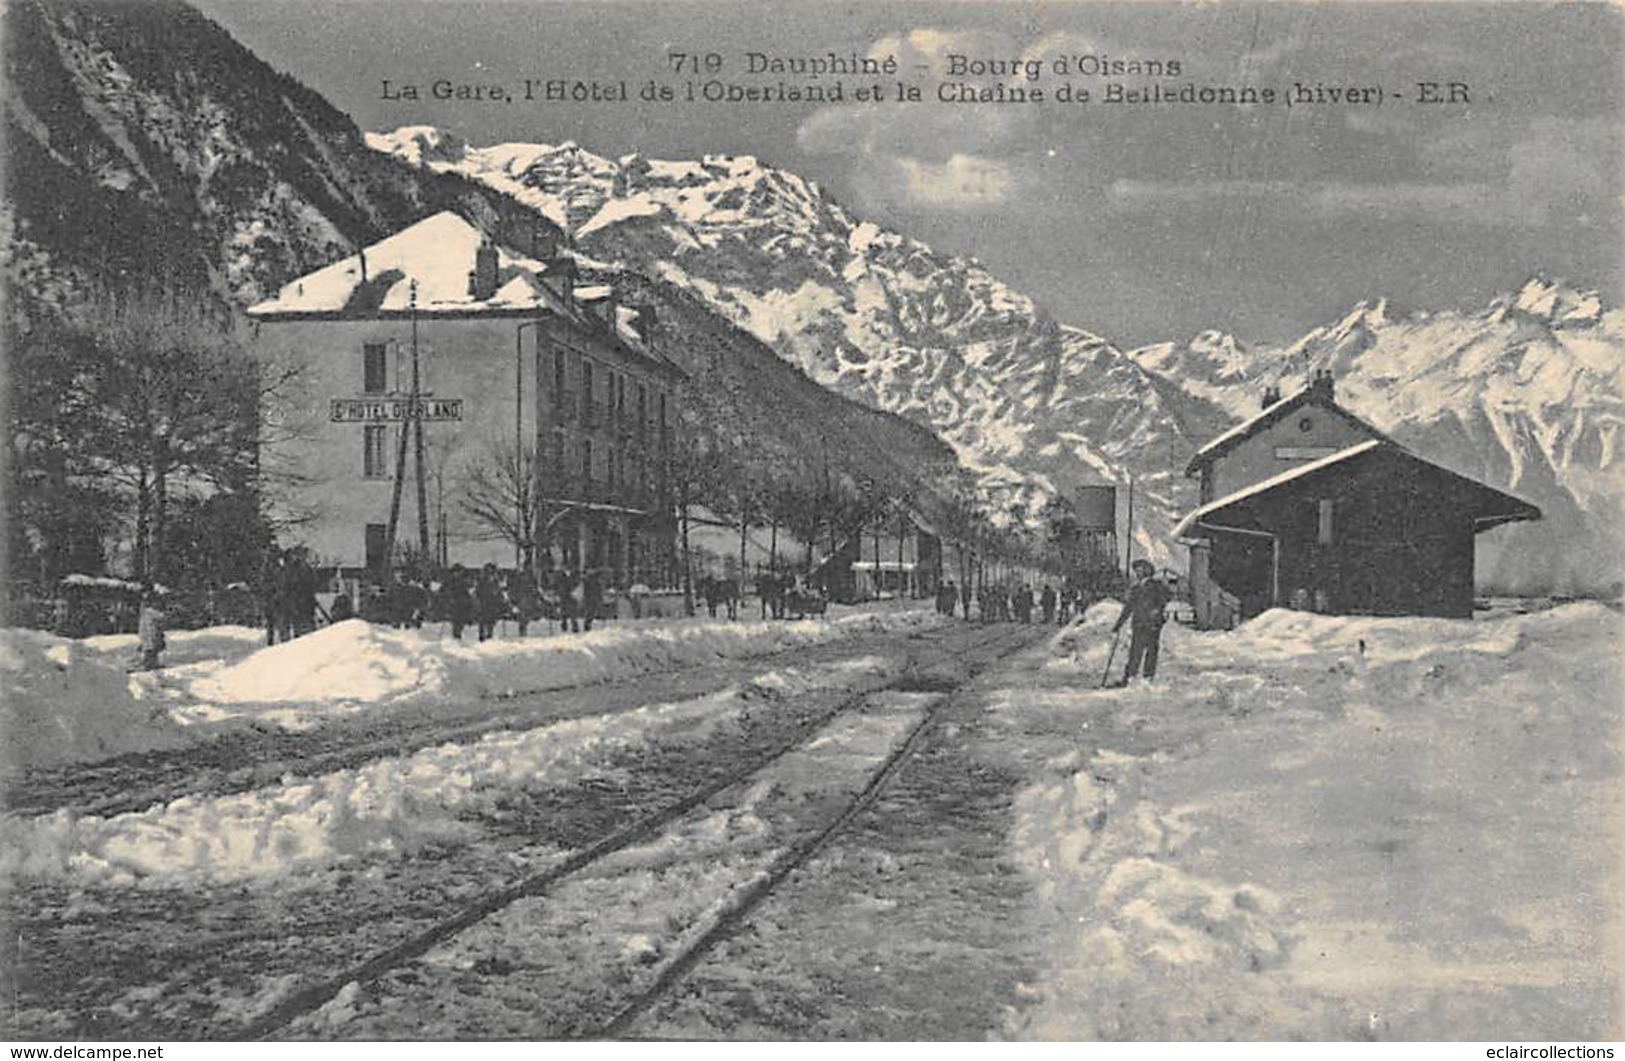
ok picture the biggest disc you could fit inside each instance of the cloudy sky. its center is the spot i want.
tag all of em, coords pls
(1139, 221)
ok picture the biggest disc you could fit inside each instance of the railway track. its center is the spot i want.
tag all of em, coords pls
(939, 669)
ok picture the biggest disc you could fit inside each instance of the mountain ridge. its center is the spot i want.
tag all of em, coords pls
(1519, 395)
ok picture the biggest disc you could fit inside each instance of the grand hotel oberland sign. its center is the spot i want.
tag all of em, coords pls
(386, 410)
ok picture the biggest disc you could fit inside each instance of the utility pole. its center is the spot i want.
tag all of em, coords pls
(415, 411)
(400, 474)
(1128, 544)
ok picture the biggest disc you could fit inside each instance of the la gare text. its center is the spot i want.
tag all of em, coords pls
(559, 90)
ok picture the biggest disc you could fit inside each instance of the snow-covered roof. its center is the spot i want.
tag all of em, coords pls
(425, 269)
(1296, 472)
(430, 261)
(1272, 414)
(1511, 510)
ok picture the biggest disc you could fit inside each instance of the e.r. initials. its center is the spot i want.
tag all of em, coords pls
(1442, 92)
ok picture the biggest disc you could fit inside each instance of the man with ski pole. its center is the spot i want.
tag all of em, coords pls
(1144, 612)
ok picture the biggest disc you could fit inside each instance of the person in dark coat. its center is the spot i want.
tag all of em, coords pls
(1022, 603)
(150, 630)
(964, 599)
(526, 597)
(459, 603)
(1046, 601)
(300, 594)
(271, 588)
(592, 597)
(490, 604)
(341, 610)
(1145, 614)
(568, 588)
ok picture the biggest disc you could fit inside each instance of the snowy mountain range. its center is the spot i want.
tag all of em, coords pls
(1035, 408)
(142, 136)
(1527, 394)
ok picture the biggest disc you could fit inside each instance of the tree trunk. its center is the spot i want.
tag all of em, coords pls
(688, 567)
(902, 531)
(160, 520)
(143, 519)
(877, 561)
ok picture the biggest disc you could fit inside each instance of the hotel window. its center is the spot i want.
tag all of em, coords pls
(586, 393)
(375, 451)
(643, 413)
(558, 381)
(1325, 536)
(586, 460)
(372, 368)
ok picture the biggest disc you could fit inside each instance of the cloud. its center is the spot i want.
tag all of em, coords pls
(929, 154)
(962, 181)
(1557, 171)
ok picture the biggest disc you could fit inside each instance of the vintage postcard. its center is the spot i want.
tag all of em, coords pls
(536, 520)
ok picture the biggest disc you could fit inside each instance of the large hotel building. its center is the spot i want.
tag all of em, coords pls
(509, 355)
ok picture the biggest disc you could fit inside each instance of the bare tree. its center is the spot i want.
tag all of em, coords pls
(498, 494)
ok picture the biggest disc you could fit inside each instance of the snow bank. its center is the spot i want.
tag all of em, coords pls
(388, 806)
(354, 664)
(61, 702)
(187, 646)
(71, 701)
(1287, 837)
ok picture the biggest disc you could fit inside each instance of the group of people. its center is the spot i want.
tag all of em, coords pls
(1144, 612)
(288, 585)
(785, 596)
(484, 598)
(1017, 603)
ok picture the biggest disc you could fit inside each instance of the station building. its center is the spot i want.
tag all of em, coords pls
(509, 355)
(1308, 506)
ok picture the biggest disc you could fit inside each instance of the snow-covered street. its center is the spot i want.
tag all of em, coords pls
(886, 825)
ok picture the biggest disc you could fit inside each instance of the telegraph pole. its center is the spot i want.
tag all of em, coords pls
(415, 411)
(1128, 544)
(400, 479)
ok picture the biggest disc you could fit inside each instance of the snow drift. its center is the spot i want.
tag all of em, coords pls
(62, 702)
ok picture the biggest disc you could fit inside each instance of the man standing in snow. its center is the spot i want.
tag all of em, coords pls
(490, 605)
(1147, 601)
(150, 630)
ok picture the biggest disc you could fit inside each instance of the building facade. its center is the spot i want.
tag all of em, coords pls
(463, 396)
(1308, 506)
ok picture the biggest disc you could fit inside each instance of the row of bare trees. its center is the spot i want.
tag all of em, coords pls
(816, 502)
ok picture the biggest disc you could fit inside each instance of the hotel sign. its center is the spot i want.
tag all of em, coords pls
(385, 410)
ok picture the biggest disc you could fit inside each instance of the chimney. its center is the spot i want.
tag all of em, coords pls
(560, 279)
(1271, 396)
(1320, 387)
(482, 282)
(647, 318)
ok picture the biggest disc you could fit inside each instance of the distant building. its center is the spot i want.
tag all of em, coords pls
(895, 558)
(511, 355)
(1306, 505)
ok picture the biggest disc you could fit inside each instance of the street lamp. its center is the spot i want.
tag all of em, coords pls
(522, 475)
